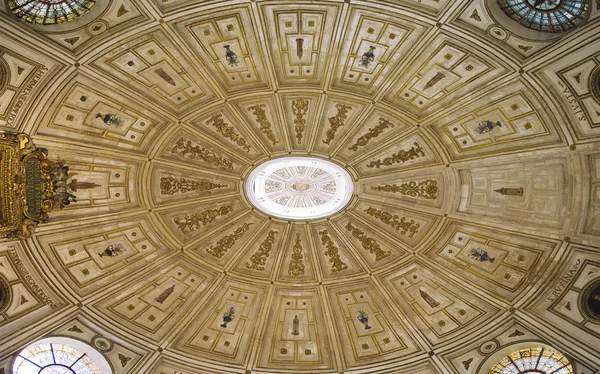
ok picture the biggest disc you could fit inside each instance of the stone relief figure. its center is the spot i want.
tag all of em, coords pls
(110, 119)
(112, 250)
(363, 317)
(228, 316)
(65, 187)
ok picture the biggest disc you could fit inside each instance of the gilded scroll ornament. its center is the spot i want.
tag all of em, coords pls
(333, 253)
(296, 265)
(373, 133)
(259, 258)
(392, 220)
(265, 125)
(336, 122)
(184, 147)
(189, 223)
(400, 157)
(427, 189)
(228, 241)
(171, 185)
(368, 243)
(228, 131)
(299, 108)
(31, 185)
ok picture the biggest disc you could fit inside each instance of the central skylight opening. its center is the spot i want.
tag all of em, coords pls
(299, 188)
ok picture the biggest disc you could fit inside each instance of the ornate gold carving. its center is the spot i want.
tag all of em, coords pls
(336, 122)
(373, 133)
(171, 185)
(228, 131)
(14, 257)
(401, 156)
(368, 243)
(392, 220)
(265, 125)
(259, 258)
(228, 241)
(184, 147)
(296, 265)
(332, 252)
(299, 108)
(189, 223)
(427, 189)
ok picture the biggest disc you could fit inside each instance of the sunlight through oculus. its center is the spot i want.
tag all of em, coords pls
(299, 188)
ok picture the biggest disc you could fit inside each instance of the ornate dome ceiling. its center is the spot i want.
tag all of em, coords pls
(472, 148)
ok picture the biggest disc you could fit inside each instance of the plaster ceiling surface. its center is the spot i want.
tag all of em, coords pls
(472, 146)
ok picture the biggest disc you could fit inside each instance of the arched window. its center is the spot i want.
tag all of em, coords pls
(60, 355)
(555, 16)
(49, 12)
(533, 361)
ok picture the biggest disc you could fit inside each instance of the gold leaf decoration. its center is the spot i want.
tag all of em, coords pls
(299, 108)
(332, 251)
(259, 258)
(427, 189)
(336, 122)
(189, 223)
(228, 131)
(368, 243)
(184, 147)
(373, 133)
(400, 157)
(265, 125)
(296, 265)
(392, 220)
(228, 241)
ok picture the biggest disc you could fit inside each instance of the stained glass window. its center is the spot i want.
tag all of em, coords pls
(533, 360)
(53, 358)
(50, 11)
(547, 15)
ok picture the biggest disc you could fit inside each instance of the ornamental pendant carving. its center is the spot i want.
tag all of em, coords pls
(259, 258)
(427, 189)
(296, 265)
(184, 147)
(228, 131)
(333, 253)
(228, 241)
(401, 225)
(336, 122)
(171, 185)
(368, 243)
(400, 157)
(373, 133)
(265, 125)
(190, 223)
(299, 108)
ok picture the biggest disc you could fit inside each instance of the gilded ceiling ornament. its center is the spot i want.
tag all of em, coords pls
(400, 157)
(363, 317)
(296, 265)
(368, 243)
(373, 133)
(481, 255)
(184, 147)
(299, 108)
(336, 122)
(228, 241)
(392, 220)
(332, 252)
(230, 56)
(265, 125)
(259, 258)
(171, 185)
(228, 131)
(112, 250)
(427, 189)
(367, 58)
(189, 223)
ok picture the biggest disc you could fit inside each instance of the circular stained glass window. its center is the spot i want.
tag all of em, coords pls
(299, 188)
(49, 12)
(533, 360)
(60, 356)
(554, 16)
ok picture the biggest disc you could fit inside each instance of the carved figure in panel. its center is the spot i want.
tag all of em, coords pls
(97, 115)
(435, 305)
(228, 50)
(300, 42)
